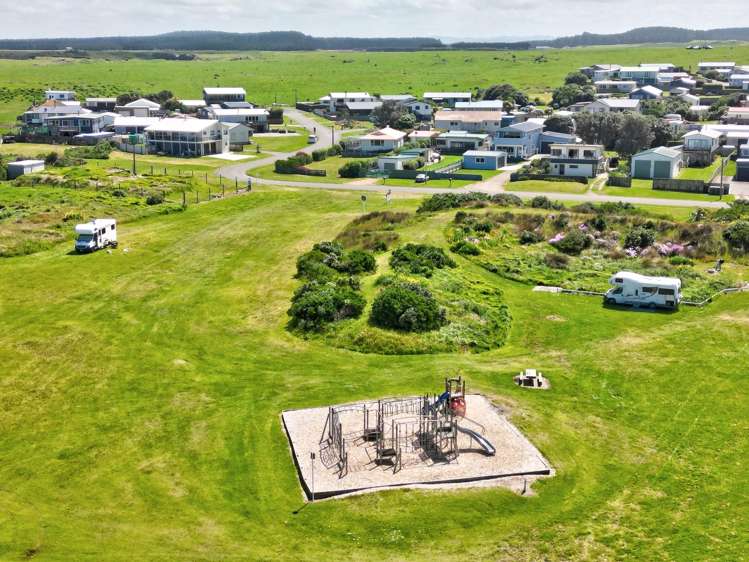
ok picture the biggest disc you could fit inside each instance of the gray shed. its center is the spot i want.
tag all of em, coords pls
(23, 167)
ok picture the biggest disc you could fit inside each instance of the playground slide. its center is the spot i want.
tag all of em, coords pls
(480, 439)
(444, 396)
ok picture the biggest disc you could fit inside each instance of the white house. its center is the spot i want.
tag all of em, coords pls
(604, 72)
(605, 105)
(577, 160)
(79, 124)
(193, 105)
(700, 147)
(448, 99)
(256, 118)
(37, 116)
(482, 105)
(100, 104)
(659, 66)
(737, 116)
(661, 162)
(738, 80)
(470, 121)
(60, 95)
(691, 98)
(646, 93)
(708, 66)
(420, 109)
(641, 75)
(459, 142)
(665, 79)
(139, 108)
(187, 137)
(337, 101)
(220, 95)
(239, 134)
(615, 86)
(383, 140)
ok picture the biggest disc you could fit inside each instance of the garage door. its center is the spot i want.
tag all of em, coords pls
(662, 170)
(742, 173)
(642, 169)
(389, 166)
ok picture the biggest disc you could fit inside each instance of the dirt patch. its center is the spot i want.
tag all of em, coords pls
(555, 318)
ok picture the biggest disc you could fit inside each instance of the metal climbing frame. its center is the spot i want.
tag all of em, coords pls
(337, 441)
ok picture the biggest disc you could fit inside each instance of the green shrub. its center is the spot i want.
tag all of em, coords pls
(562, 220)
(737, 235)
(507, 200)
(420, 259)
(327, 260)
(442, 201)
(543, 202)
(354, 169)
(639, 237)
(465, 248)
(598, 223)
(556, 261)
(407, 307)
(316, 304)
(356, 262)
(574, 242)
(320, 155)
(530, 237)
(155, 199)
(680, 260)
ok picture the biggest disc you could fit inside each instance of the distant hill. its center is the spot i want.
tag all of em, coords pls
(651, 35)
(221, 41)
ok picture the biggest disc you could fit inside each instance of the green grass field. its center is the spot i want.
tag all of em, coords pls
(277, 76)
(141, 395)
(644, 188)
(547, 186)
(288, 143)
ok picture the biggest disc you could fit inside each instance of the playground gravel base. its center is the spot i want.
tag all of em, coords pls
(516, 464)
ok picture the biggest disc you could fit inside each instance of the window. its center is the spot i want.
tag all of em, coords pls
(618, 280)
(480, 160)
(649, 290)
(669, 292)
(573, 166)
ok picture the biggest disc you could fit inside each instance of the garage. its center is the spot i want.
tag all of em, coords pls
(657, 163)
(661, 169)
(642, 169)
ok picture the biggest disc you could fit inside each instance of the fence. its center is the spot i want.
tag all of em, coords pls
(547, 177)
(619, 181)
(684, 186)
(432, 175)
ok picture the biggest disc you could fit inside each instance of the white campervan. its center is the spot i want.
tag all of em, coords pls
(642, 291)
(95, 235)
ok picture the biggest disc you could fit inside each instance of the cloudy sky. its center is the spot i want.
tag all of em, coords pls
(370, 18)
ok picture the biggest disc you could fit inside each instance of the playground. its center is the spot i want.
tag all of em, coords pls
(446, 440)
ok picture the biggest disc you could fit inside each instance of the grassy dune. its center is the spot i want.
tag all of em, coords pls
(140, 395)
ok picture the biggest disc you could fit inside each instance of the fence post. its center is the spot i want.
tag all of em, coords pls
(197, 191)
(184, 199)
(151, 169)
(236, 185)
(209, 192)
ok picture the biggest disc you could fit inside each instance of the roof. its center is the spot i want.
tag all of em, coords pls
(740, 110)
(363, 105)
(704, 133)
(424, 134)
(554, 134)
(24, 163)
(397, 97)
(484, 153)
(616, 82)
(387, 133)
(224, 91)
(397, 157)
(662, 151)
(468, 116)
(463, 135)
(443, 95)
(347, 95)
(122, 121)
(525, 126)
(650, 89)
(246, 111)
(193, 103)
(143, 102)
(182, 125)
(107, 100)
(483, 104)
(619, 102)
(645, 279)
(638, 69)
(718, 64)
(236, 105)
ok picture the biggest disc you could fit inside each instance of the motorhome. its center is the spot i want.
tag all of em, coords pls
(642, 291)
(95, 235)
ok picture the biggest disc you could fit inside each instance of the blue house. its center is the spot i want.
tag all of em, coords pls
(484, 160)
(520, 140)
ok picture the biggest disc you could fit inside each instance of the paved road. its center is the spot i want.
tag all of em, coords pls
(492, 186)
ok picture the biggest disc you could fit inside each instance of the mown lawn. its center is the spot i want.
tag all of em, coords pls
(297, 140)
(547, 186)
(644, 188)
(330, 165)
(141, 394)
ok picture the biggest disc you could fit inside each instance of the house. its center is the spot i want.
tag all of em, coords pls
(421, 109)
(665, 79)
(642, 75)
(377, 142)
(738, 80)
(255, 118)
(688, 83)
(239, 135)
(362, 110)
(737, 139)
(661, 162)
(483, 105)
(391, 162)
(447, 99)
(550, 137)
(742, 164)
(23, 167)
(659, 66)
(139, 108)
(127, 125)
(236, 105)
(700, 147)
(78, 124)
(220, 95)
(100, 104)
(424, 135)
(708, 66)
(519, 140)
(692, 99)
(60, 95)
(615, 86)
(578, 106)
(605, 105)
(337, 101)
(737, 116)
(579, 160)
(646, 93)
(186, 136)
(458, 142)
(37, 116)
(471, 121)
(193, 106)
(484, 160)
(400, 99)
(599, 72)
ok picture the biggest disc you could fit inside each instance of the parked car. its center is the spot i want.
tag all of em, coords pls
(422, 178)
(312, 139)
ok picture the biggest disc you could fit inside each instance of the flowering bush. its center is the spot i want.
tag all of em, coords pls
(669, 249)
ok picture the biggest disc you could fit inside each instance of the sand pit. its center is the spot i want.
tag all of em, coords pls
(483, 449)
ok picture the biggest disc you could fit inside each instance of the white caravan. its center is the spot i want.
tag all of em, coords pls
(95, 235)
(642, 291)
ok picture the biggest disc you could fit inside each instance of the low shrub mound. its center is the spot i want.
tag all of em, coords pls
(572, 243)
(407, 307)
(420, 259)
(444, 201)
(373, 231)
(465, 248)
(315, 304)
(328, 260)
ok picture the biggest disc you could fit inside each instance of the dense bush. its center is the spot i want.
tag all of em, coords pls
(639, 237)
(529, 237)
(320, 155)
(442, 201)
(408, 307)
(420, 259)
(574, 242)
(507, 200)
(543, 202)
(354, 169)
(556, 261)
(598, 223)
(99, 151)
(316, 304)
(328, 259)
(562, 220)
(356, 262)
(737, 235)
(155, 199)
(465, 248)
(296, 165)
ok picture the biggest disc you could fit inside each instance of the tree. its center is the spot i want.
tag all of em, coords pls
(577, 78)
(507, 93)
(599, 128)
(388, 114)
(663, 133)
(636, 134)
(572, 93)
(560, 124)
(405, 122)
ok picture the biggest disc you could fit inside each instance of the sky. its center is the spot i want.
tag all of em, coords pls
(362, 18)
